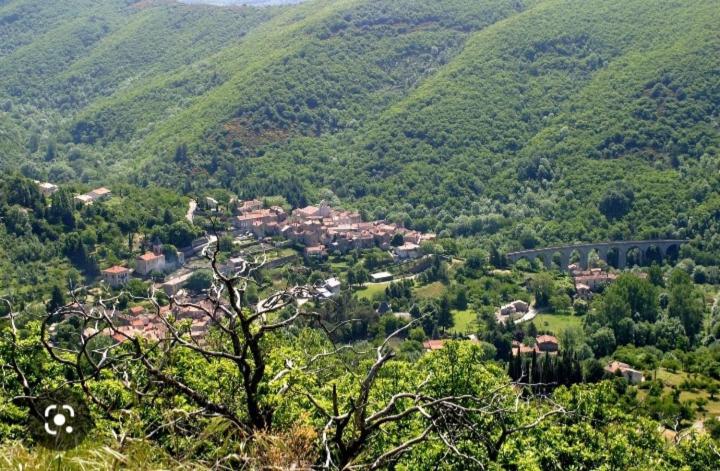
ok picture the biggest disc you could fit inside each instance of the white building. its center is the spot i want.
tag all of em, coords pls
(632, 375)
(381, 276)
(46, 188)
(332, 285)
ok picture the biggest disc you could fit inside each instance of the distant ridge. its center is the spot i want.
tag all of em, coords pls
(258, 3)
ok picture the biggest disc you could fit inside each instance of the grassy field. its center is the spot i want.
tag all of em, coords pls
(556, 323)
(285, 252)
(369, 291)
(670, 379)
(433, 290)
(465, 322)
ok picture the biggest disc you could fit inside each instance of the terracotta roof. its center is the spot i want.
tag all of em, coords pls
(546, 338)
(148, 256)
(100, 191)
(433, 344)
(522, 348)
(618, 365)
(116, 270)
(438, 344)
(135, 310)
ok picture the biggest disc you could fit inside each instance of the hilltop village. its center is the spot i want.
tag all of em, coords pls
(305, 236)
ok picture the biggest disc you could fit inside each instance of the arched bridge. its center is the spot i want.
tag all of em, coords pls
(665, 247)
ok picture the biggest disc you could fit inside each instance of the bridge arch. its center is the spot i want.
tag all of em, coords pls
(612, 257)
(615, 253)
(653, 254)
(634, 255)
(672, 252)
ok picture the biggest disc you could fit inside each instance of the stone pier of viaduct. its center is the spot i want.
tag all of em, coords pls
(666, 248)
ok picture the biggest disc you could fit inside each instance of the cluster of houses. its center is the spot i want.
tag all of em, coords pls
(590, 281)
(322, 229)
(137, 322)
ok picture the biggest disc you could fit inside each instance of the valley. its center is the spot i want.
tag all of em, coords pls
(360, 234)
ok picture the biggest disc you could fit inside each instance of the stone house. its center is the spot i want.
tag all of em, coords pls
(150, 262)
(116, 276)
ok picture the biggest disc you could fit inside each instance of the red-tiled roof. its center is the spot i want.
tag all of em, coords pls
(148, 256)
(135, 310)
(116, 270)
(100, 191)
(433, 344)
(546, 338)
(617, 365)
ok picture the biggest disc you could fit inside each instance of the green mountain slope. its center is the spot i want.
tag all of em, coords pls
(317, 68)
(110, 45)
(521, 128)
(10, 139)
(529, 122)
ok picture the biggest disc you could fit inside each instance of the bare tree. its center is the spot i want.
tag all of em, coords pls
(349, 432)
(240, 330)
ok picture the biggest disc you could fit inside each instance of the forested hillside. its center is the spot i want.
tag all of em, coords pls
(486, 118)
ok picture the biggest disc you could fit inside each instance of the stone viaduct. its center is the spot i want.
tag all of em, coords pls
(666, 248)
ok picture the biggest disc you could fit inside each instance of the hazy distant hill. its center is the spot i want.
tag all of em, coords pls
(243, 2)
(484, 117)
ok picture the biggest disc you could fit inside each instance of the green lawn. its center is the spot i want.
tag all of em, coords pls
(369, 291)
(433, 290)
(556, 323)
(339, 266)
(286, 252)
(465, 322)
